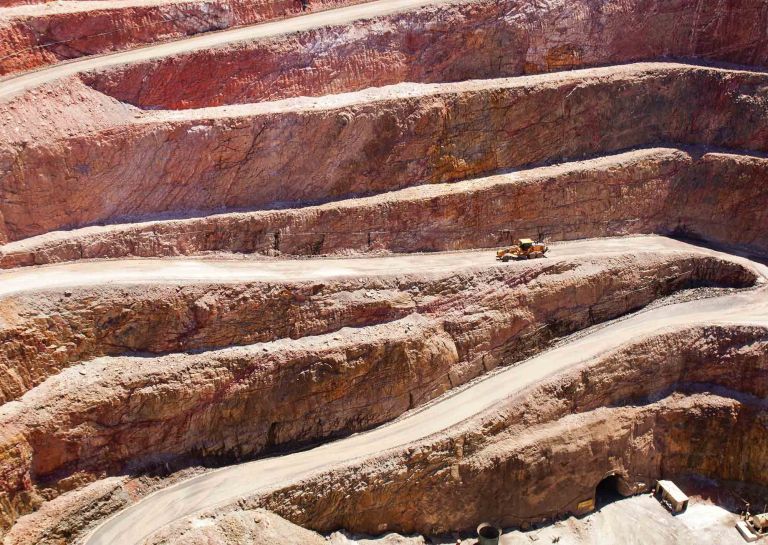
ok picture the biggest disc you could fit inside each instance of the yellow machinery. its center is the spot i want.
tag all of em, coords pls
(524, 249)
(752, 527)
(760, 523)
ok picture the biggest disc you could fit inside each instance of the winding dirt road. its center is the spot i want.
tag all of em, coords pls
(12, 86)
(218, 270)
(133, 525)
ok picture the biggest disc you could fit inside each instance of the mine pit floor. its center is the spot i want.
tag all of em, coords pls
(639, 520)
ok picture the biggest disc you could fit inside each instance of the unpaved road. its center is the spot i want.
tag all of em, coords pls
(219, 270)
(638, 520)
(10, 87)
(133, 525)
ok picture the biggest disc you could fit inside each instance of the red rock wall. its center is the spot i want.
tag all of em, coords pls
(712, 196)
(542, 453)
(451, 42)
(166, 163)
(46, 36)
(587, 199)
(724, 201)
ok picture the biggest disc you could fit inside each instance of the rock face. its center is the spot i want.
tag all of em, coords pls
(446, 42)
(452, 126)
(115, 414)
(430, 134)
(511, 36)
(685, 401)
(712, 196)
(46, 33)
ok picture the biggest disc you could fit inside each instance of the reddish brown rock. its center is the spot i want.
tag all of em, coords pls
(444, 42)
(637, 412)
(36, 36)
(116, 414)
(712, 196)
(256, 155)
(74, 156)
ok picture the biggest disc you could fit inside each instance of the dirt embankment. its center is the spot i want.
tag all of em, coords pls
(115, 414)
(258, 155)
(32, 38)
(448, 42)
(712, 196)
(436, 43)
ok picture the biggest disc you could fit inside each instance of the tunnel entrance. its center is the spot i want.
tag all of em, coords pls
(607, 491)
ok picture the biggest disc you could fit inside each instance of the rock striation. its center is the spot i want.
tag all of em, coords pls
(709, 196)
(116, 414)
(685, 401)
(256, 155)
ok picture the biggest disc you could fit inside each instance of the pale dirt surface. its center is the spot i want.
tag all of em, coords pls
(79, 6)
(639, 520)
(67, 6)
(244, 269)
(415, 90)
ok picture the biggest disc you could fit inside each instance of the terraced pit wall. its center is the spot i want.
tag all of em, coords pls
(454, 41)
(683, 401)
(258, 155)
(519, 39)
(117, 414)
(706, 195)
(93, 381)
(33, 38)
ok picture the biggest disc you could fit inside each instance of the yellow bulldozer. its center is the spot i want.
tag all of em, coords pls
(525, 248)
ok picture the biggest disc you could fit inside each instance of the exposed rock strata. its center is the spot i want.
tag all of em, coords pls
(453, 41)
(660, 421)
(302, 373)
(685, 401)
(444, 502)
(713, 196)
(43, 335)
(113, 414)
(486, 40)
(369, 142)
(31, 37)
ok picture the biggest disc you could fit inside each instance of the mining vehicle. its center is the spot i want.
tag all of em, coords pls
(525, 248)
(753, 527)
(759, 523)
(671, 496)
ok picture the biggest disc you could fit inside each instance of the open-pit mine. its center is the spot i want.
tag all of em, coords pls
(250, 290)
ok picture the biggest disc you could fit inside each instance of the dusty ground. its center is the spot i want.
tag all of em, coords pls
(640, 520)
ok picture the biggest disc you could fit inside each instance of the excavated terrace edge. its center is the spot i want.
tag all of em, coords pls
(412, 90)
(85, 243)
(366, 10)
(67, 7)
(9, 408)
(480, 405)
(267, 115)
(470, 425)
